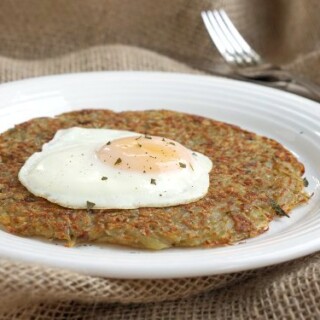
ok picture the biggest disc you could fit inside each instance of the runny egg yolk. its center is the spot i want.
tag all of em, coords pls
(146, 154)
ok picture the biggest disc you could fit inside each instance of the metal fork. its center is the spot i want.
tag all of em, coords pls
(231, 45)
(246, 63)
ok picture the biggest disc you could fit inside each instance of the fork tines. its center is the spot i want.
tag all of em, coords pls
(229, 42)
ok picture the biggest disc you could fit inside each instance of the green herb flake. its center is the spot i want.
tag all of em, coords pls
(147, 137)
(172, 143)
(278, 210)
(153, 181)
(104, 178)
(139, 145)
(118, 161)
(108, 143)
(191, 166)
(139, 138)
(305, 182)
(90, 205)
(182, 165)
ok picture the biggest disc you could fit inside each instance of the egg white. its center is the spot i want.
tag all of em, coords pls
(68, 172)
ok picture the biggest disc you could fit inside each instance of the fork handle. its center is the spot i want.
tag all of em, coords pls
(267, 75)
(277, 77)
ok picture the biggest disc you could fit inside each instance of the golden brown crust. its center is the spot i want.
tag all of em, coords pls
(251, 176)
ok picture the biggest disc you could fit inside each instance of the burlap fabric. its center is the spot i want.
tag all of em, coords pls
(50, 37)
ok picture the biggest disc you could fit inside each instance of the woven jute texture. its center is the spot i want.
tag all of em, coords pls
(52, 37)
(285, 32)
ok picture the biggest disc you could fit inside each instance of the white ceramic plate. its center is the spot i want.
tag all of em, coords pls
(293, 121)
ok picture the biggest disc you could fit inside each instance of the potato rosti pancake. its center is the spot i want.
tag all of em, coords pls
(253, 180)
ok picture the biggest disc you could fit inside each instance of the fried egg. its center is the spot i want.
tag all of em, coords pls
(114, 169)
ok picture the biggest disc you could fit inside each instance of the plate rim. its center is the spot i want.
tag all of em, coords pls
(50, 77)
